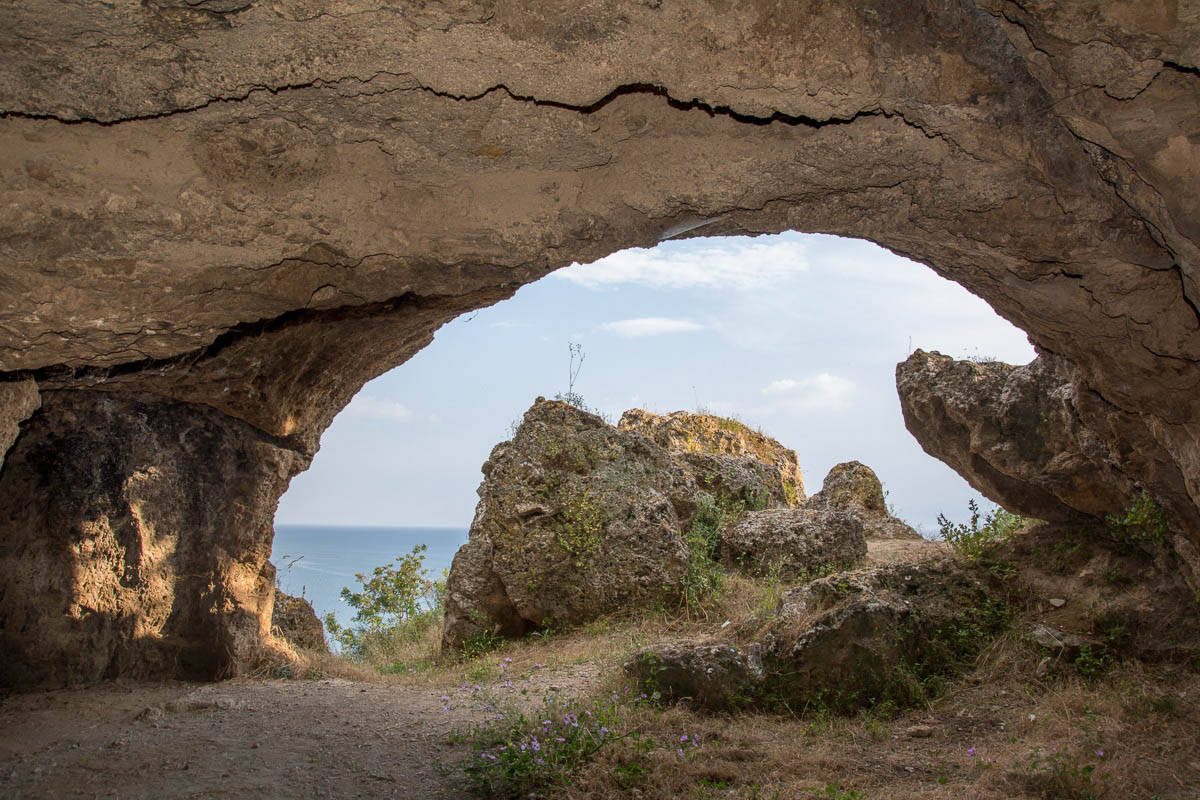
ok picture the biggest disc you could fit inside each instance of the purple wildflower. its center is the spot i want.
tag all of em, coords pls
(971, 752)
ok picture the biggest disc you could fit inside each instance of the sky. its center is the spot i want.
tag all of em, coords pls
(796, 334)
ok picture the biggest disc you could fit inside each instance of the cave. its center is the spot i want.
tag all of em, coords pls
(223, 218)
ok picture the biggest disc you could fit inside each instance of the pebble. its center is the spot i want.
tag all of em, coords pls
(1057, 602)
(919, 731)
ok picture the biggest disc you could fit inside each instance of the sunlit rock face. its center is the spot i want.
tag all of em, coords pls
(248, 209)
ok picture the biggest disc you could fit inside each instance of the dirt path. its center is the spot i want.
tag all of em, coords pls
(260, 739)
(245, 738)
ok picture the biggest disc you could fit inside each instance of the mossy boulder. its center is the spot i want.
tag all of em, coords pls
(794, 543)
(847, 641)
(575, 519)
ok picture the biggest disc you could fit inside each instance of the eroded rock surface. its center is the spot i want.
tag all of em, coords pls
(286, 199)
(577, 518)
(853, 488)
(847, 641)
(296, 621)
(134, 536)
(1036, 440)
(18, 399)
(725, 456)
(794, 543)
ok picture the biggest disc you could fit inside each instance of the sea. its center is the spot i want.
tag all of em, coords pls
(317, 561)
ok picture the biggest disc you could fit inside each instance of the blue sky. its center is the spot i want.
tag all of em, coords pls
(797, 334)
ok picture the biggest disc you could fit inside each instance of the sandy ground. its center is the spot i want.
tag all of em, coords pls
(262, 739)
(244, 738)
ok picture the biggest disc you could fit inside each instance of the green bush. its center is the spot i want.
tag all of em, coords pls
(972, 540)
(702, 579)
(398, 601)
(1142, 522)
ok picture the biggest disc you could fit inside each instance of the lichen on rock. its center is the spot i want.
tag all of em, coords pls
(846, 641)
(578, 518)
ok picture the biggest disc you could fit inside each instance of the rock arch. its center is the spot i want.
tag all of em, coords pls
(222, 218)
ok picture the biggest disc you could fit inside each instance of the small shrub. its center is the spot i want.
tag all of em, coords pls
(703, 577)
(517, 754)
(1142, 523)
(1062, 775)
(397, 602)
(973, 540)
(480, 644)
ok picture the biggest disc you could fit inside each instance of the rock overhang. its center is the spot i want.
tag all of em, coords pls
(256, 208)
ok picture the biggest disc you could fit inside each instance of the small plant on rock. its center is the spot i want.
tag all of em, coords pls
(974, 539)
(1142, 522)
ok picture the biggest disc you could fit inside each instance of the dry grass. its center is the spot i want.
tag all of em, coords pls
(1000, 731)
(1029, 740)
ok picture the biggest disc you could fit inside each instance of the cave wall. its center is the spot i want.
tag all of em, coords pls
(242, 210)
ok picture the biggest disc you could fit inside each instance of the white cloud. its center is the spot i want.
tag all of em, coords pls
(720, 263)
(371, 407)
(650, 326)
(819, 391)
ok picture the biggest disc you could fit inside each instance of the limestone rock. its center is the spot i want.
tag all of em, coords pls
(578, 518)
(846, 641)
(134, 536)
(794, 543)
(297, 622)
(854, 488)
(18, 399)
(717, 448)
(715, 676)
(261, 236)
(1014, 433)
(575, 519)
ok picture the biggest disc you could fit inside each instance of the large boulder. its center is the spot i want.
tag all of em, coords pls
(794, 543)
(847, 641)
(575, 519)
(578, 518)
(853, 488)
(1014, 433)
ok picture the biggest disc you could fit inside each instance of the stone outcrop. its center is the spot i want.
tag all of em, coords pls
(294, 619)
(577, 518)
(847, 641)
(1014, 433)
(134, 536)
(794, 543)
(252, 208)
(18, 400)
(718, 451)
(854, 488)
